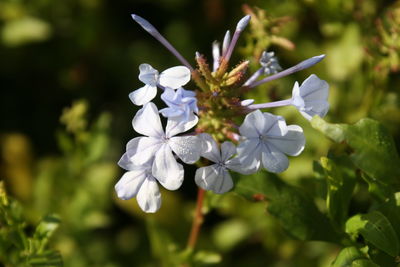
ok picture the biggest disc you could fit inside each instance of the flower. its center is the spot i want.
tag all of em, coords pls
(140, 183)
(269, 62)
(216, 177)
(174, 78)
(157, 146)
(267, 140)
(311, 98)
(181, 103)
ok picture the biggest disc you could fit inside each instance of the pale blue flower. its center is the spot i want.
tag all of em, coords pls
(173, 78)
(138, 182)
(267, 141)
(269, 62)
(158, 146)
(311, 98)
(216, 177)
(181, 104)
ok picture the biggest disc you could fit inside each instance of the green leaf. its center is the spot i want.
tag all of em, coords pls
(229, 233)
(341, 180)
(206, 258)
(363, 263)
(45, 230)
(346, 54)
(347, 256)
(374, 149)
(296, 211)
(25, 30)
(391, 209)
(48, 258)
(162, 246)
(381, 258)
(376, 229)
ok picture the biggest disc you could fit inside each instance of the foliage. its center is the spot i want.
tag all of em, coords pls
(17, 246)
(338, 204)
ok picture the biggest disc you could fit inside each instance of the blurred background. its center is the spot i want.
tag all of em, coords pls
(67, 68)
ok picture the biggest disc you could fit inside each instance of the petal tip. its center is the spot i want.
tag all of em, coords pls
(243, 23)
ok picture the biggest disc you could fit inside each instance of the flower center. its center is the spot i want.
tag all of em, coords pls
(221, 164)
(263, 138)
(164, 139)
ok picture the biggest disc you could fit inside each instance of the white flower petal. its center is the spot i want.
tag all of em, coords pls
(143, 95)
(314, 89)
(147, 121)
(148, 75)
(253, 124)
(149, 197)
(313, 108)
(180, 103)
(236, 166)
(228, 149)
(273, 160)
(187, 148)
(205, 176)
(249, 154)
(177, 125)
(168, 95)
(209, 148)
(275, 126)
(165, 168)
(129, 184)
(297, 100)
(175, 77)
(214, 178)
(311, 98)
(125, 163)
(171, 112)
(246, 102)
(141, 150)
(292, 143)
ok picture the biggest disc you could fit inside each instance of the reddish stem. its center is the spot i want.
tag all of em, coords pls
(197, 220)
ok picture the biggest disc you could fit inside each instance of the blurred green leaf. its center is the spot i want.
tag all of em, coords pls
(295, 210)
(74, 117)
(363, 263)
(99, 141)
(376, 229)
(206, 258)
(46, 229)
(341, 181)
(345, 55)
(46, 259)
(229, 233)
(17, 248)
(374, 149)
(24, 30)
(347, 256)
(381, 258)
(162, 246)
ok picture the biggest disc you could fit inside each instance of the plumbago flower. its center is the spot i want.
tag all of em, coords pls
(269, 63)
(221, 117)
(182, 104)
(311, 98)
(267, 140)
(173, 78)
(157, 146)
(216, 177)
(139, 182)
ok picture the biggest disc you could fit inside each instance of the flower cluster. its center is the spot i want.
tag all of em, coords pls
(249, 139)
